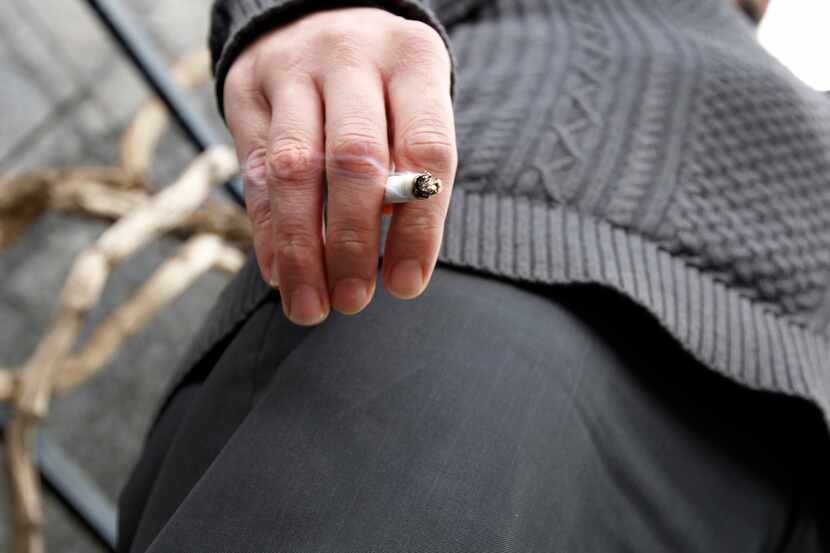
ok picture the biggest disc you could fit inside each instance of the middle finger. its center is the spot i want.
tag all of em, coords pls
(357, 166)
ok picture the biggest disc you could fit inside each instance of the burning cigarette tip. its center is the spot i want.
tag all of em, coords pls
(426, 185)
(410, 186)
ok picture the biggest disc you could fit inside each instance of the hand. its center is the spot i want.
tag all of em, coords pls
(321, 106)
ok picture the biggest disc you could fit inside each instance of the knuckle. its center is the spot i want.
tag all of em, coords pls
(257, 202)
(266, 58)
(279, 58)
(419, 46)
(429, 140)
(238, 77)
(358, 151)
(294, 248)
(262, 58)
(241, 90)
(254, 169)
(342, 45)
(423, 224)
(259, 212)
(419, 234)
(293, 161)
(419, 35)
(350, 241)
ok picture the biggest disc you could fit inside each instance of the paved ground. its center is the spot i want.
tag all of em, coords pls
(65, 96)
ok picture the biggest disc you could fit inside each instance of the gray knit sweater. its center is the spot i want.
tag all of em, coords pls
(647, 145)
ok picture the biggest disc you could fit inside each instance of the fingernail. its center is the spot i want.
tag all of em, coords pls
(350, 295)
(306, 307)
(406, 279)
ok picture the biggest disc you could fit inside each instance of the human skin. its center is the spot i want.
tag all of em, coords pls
(322, 106)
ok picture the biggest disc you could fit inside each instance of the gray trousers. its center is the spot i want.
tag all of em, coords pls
(484, 416)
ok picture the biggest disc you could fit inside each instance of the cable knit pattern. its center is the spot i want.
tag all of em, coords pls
(650, 146)
(576, 122)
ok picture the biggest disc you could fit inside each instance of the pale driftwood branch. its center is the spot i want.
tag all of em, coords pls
(220, 233)
(21, 203)
(222, 218)
(229, 259)
(80, 293)
(141, 137)
(25, 197)
(91, 269)
(171, 279)
(27, 507)
(7, 384)
(170, 206)
(96, 198)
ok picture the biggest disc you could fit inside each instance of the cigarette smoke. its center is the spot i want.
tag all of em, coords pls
(256, 166)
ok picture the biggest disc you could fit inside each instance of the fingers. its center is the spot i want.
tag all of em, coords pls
(423, 133)
(295, 182)
(321, 70)
(357, 162)
(248, 116)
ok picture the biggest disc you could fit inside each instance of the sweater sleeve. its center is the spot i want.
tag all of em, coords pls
(237, 23)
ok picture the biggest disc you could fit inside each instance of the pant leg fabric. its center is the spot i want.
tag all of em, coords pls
(483, 416)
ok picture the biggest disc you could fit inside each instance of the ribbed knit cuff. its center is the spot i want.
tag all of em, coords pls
(237, 23)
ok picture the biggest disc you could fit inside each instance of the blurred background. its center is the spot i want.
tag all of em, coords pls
(796, 32)
(66, 94)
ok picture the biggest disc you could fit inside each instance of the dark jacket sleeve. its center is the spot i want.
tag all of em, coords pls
(237, 23)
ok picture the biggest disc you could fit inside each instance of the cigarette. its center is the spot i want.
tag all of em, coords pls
(407, 186)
